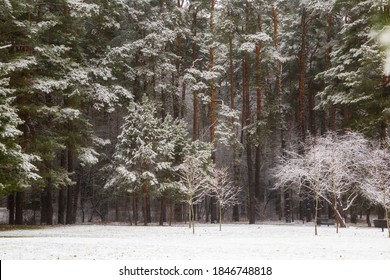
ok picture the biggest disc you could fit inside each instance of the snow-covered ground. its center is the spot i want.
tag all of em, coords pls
(238, 242)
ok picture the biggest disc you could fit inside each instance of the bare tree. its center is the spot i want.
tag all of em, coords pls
(194, 182)
(345, 159)
(223, 190)
(301, 173)
(332, 168)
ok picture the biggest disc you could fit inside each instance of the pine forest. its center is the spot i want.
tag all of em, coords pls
(194, 111)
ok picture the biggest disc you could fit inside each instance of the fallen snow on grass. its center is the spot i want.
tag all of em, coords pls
(234, 242)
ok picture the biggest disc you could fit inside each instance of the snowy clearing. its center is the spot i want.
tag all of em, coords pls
(273, 242)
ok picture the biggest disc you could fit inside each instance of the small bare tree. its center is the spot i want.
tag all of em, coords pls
(223, 190)
(193, 184)
(301, 173)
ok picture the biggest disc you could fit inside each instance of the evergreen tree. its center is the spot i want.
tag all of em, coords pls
(355, 80)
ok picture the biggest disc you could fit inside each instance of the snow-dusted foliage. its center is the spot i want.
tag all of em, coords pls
(227, 127)
(357, 62)
(148, 150)
(81, 8)
(17, 168)
(331, 167)
(138, 144)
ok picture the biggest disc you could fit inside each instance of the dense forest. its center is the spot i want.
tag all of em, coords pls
(162, 111)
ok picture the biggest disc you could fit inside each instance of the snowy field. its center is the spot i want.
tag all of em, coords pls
(119, 242)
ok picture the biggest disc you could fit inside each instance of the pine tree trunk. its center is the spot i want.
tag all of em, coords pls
(368, 213)
(135, 209)
(247, 121)
(76, 198)
(43, 208)
(62, 193)
(236, 209)
(70, 191)
(329, 35)
(49, 202)
(285, 193)
(163, 209)
(195, 99)
(146, 204)
(302, 78)
(171, 206)
(117, 201)
(259, 97)
(213, 208)
(19, 208)
(148, 208)
(61, 205)
(212, 86)
(312, 115)
(251, 187)
(11, 208)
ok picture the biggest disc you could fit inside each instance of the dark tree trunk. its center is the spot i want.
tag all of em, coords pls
(312, 114)
(70, 192)
(329, 35)
(19, 208)
(368, 213)
(135, 208)
(43, 207)
(69, 205)
(163, 210)
(213, 206)
(76, 198)
(308, 210)
(251, 187)
(302, 78)
(258, 189)
(236, 213)
(62, 193)
(213, 210)
(61, 205)
(178, 212)
(11, 208)
(146, 205)
(259, 99)
(49, 202)
(148, 210)
(195, 99)
(117, 207)
(287, 205)
(236, 174)
(354, 215)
